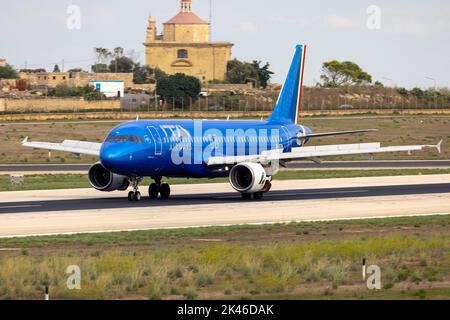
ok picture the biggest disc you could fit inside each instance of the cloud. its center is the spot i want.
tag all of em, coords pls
(248, 27)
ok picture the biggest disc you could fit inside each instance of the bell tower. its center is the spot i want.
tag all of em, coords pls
(186, 6)
(151, 30)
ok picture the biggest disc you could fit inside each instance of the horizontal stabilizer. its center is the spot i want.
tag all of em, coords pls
(338, 133)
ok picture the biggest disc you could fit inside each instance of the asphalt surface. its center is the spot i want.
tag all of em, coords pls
(217, 199)
(408, 164)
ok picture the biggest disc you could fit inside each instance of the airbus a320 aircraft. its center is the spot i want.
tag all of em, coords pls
(248, 152)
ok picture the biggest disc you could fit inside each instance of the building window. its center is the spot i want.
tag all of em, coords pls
(183, 54)
(64, 78)
(54, 78)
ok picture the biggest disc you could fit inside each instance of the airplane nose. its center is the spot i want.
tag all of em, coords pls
(113, 159)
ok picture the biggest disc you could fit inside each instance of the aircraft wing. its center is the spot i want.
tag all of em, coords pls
(316, 152)
(72, 146)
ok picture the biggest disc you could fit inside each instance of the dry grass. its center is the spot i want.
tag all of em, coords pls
(261, 269)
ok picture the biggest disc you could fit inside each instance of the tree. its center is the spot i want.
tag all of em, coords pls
(99, 68)
(378, 84)
(242, 72)
(264, 74)
(8, 72)
(146, 74)
(179, 89)
(56, 68)
(121, 65)
(337, 74)
(76, 70)
(103, 55)
(64, 90)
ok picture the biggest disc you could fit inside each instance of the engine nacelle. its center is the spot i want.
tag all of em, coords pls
(104, 180)
(249, 177)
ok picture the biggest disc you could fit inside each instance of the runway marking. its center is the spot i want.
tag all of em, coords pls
(24, 206)
(318, 193)
(302, 193)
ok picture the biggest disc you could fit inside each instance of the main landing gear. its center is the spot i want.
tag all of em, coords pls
(157, 189)
(256, 196)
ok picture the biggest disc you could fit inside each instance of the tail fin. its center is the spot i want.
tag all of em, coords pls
(287, 109)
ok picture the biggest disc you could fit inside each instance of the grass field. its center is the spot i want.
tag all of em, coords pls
(293, 261)
(417, 129)
(74, 181)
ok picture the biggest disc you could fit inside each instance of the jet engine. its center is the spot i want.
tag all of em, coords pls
(104, 180)
(250, 178)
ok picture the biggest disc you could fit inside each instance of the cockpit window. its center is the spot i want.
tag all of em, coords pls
(119, 139)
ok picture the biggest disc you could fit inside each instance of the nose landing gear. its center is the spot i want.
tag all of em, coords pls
(135, 195)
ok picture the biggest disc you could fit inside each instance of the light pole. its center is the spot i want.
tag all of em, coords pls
(392, 81)
(392, 84)
(156, 95)
(435, 90)
(434, 81)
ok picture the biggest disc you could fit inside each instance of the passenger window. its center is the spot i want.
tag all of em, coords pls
(132, 139)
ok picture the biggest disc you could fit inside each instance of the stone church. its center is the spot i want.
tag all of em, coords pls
(185, 47)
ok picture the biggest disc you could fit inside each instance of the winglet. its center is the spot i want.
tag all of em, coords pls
(438, 146)
(25, 140)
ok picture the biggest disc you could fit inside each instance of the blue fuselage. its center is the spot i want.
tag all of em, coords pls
(181, 148)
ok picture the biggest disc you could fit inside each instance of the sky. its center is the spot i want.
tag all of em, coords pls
(399, 42)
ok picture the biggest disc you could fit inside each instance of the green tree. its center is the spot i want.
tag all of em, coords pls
(142, 74)
(242, 72)
(337, 74)
(264, 74)
(179, 89)
(146, 74)
(99, 68)
(417, 92)
(64, 90)
(75, 70)
(8, 72)
(56, 68)
(93, 96)
(378, 84)
(121, 65)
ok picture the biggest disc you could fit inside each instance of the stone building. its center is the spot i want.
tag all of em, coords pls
(76, 79)
(185, 47)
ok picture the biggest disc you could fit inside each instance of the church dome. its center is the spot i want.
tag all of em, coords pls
(186, 15)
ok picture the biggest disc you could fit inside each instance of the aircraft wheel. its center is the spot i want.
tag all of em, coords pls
(131, 196)
(258, 196)
(246, 196)
(165, 191)
(153, 191)
(137, 196)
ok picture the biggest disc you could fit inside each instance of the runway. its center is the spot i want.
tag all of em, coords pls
(85, 210)
(330, 165)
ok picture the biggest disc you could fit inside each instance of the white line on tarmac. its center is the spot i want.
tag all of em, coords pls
(303, 194)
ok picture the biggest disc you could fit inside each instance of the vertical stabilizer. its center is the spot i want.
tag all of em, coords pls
(287, 109)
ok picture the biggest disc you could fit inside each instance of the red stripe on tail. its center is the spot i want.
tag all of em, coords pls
(301, 85)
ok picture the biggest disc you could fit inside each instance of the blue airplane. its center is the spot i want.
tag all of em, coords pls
(249, 153)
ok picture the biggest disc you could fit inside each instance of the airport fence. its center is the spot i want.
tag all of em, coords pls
(255, 103)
